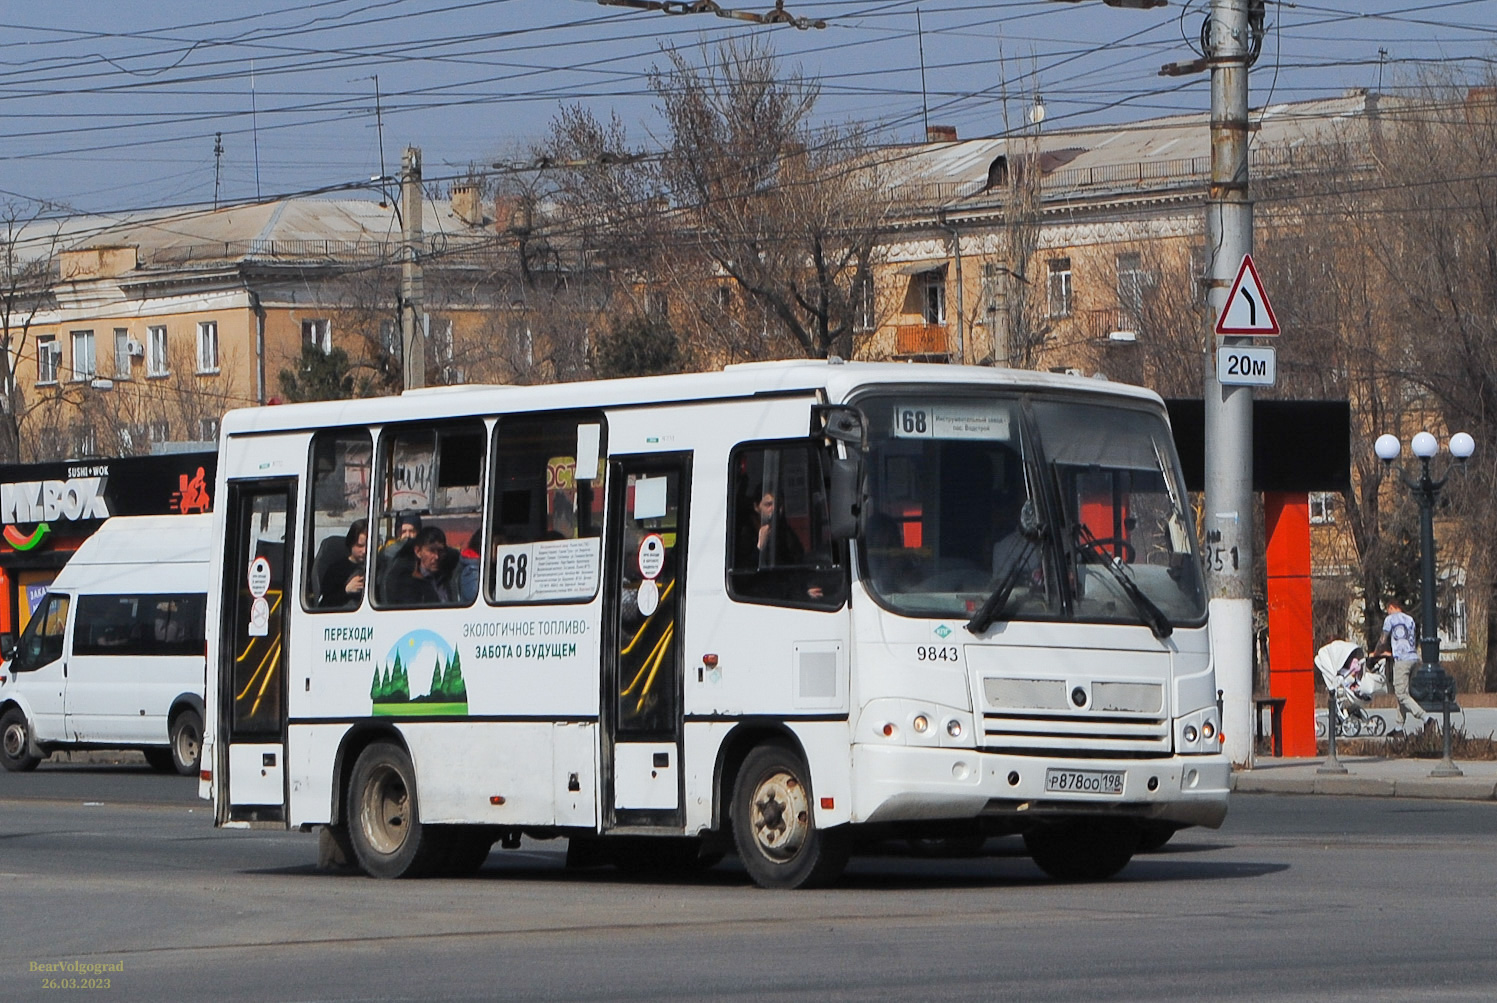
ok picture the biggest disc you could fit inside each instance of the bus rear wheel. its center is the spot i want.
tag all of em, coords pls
(774, 823)
(384, 818)
(15, 742)
(1083, 849)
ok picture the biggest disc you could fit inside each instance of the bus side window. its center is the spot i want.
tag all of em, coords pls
(780, 551)
(337, 518)
(431, 506)
(548, 500)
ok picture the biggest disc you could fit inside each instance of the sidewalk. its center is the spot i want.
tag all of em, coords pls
(1369, 776)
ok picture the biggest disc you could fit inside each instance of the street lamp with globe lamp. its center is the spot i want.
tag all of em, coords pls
(1430, 685)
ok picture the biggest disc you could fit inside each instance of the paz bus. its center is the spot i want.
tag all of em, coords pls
(777, 610)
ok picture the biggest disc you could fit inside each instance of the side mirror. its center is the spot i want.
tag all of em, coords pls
(7, 646)
(845, 498)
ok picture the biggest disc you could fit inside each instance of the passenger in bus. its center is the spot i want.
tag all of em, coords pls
(468, 561)
(415, 577)
(407, 525)
(342, 585)
(1015, 542)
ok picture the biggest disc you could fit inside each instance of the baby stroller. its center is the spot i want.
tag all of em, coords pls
(1349, 674)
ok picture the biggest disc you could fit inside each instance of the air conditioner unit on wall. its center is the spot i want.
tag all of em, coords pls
(135, 348)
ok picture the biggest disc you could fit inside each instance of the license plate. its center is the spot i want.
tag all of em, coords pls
(1108, 783)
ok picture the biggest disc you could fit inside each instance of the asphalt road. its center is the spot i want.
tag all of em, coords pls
(1295, 898)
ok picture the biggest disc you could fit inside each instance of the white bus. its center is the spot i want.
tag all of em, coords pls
(777, 609)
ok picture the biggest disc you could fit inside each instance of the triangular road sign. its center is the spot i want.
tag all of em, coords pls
(1247, 310)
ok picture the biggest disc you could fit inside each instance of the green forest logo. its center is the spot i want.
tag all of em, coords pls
(419, 654)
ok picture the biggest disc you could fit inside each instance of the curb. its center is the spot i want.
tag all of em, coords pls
(1352, 784)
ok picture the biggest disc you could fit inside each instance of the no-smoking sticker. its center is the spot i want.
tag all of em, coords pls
(259, 577)
(651, 556)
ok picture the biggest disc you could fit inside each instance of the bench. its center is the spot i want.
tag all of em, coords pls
(1275, 706)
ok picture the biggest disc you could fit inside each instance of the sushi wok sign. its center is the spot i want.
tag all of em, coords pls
(57, 496)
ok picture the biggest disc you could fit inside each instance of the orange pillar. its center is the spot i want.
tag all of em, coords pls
(1291, 642)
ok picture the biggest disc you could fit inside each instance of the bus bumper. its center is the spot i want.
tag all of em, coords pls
(898, 784)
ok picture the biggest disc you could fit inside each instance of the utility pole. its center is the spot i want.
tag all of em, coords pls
(1230, 547)
(412, 283)
(218, 156)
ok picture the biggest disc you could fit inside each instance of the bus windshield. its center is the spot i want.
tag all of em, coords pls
(1027, 508)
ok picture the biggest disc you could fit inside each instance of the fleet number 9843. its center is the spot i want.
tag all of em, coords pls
(937, 653)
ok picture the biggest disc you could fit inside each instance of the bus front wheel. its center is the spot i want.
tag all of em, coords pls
(1083, 849)
(186, 742)
(774, 823)
(384, 819)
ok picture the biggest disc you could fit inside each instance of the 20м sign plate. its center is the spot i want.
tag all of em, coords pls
(1248, 367)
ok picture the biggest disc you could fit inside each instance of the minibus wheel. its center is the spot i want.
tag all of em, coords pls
(1083, 849)
(186, 742)
(774, 823)
(15, 741)
(384, 817)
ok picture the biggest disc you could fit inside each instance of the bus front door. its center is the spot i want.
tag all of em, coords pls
(642, 684)
(253, 657)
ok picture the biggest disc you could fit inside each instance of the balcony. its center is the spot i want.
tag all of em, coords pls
(921, 340)
(1115, 327)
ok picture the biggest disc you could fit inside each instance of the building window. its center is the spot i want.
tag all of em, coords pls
(1060, 295)
(208, 346)
(208, 429)
(156, 351)
(83, 355)
(1322, 507)
(85, 442)
(657, 305)
(933, 297)
(1132, 281)
(862, 311)
(121, 353)
(390, 338)
(47, 353)
(1451, 595)
(317, 334)
(439, 338)
(160, 432)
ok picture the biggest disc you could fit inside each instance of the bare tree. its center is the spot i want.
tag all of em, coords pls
(788, 211)
(28, 274)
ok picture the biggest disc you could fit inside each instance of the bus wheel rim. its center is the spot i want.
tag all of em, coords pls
(780, 816)
(15, 740)
(187, 745)
(386, 810)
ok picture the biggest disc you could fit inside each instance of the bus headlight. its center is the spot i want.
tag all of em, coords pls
(921, 724)
(1198, 733)
(954, 728)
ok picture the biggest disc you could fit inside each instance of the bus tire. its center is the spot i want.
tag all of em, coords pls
(1083, 849)
(774, 823)
(384, 817)
(186, 734)
(15, 742)
(1153, 834)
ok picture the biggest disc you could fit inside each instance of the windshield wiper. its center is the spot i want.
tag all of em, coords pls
(1152, 615)
(1029, 528)
(993, 608)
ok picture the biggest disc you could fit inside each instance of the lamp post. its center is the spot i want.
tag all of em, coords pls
(1430, 685)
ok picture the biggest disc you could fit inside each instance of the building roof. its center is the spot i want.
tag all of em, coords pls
(1149, 154)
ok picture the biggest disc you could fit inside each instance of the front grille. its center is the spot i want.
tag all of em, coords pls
(1105, 717)
(1106, 733)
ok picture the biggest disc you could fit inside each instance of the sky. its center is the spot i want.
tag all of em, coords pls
(116, 106)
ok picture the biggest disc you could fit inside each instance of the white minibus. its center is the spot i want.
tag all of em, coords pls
(780, 610)
(113, 656)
